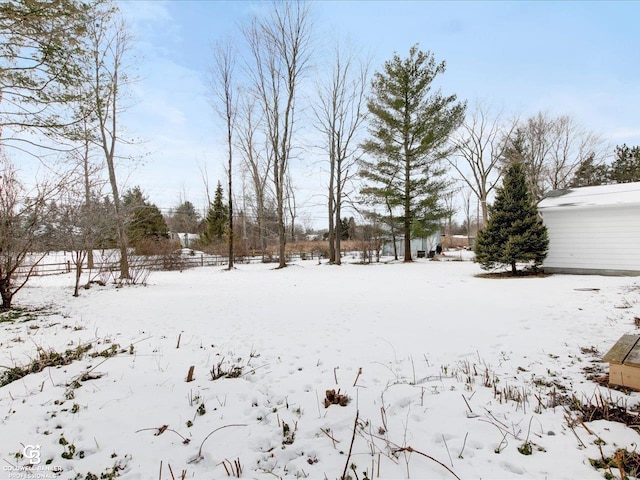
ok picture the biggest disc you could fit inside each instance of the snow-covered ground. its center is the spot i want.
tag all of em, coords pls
(446, 374)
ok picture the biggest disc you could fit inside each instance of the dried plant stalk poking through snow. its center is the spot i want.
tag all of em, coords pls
(199, 457)
(233, 469)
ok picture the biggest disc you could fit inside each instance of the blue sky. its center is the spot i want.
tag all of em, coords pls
(564, 58)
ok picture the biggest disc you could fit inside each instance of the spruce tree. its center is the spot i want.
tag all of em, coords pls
(514, 233)
(216, 219)
(410, 125)
(344, 229)
(144, 220)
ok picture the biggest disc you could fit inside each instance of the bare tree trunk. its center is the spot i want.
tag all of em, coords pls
(78, 259)
(407, 211)
(282, 233)
(87, 199)
(292, 207)
(279, 46)
(332, 209)
(262, 228)
(338, 222)
(393, 230)
(231, 235)
(258, 165)
(122, 234)
(467, 214)
(223, 80)
(110, 43)
(340, 114)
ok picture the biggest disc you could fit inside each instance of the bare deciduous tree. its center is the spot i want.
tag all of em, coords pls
(551, 150)
(467, 208)
(83, 160)
(74, 225)
(226, 106)
(279, 45)
(291, 207)
(256, 162)
(571, 145)
(20, 219)
(449, 201)
(340, 112)
(110, 43)
(479, 145)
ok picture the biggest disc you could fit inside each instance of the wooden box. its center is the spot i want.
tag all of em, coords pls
(624, 362)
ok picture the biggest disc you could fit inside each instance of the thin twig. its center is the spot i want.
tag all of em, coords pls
(398, 448)
(357, 376)
(413, 367)
(447, 447)
(465, 401)
(207, 437)
(326, 432)
(464, 443)
(162, 429)
(412, 450)
(353, 438)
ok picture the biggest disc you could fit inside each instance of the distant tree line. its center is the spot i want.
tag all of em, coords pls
(624, 168)
(395, 149)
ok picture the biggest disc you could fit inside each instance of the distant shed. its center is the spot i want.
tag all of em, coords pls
(593, 230)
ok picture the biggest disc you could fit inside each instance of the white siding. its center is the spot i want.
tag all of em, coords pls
(593, 239)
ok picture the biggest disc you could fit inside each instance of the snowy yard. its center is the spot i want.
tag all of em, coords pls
(448, 374)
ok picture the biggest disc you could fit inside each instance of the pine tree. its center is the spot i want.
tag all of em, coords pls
(41, 48)
(514, 232)
(626, 166)
(216, 219)
(344, 229)
(410, 127)
(144, 220)
(589, 174)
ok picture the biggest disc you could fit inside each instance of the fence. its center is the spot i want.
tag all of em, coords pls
(156, 262)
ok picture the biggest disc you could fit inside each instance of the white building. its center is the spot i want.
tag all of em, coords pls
(593, 230)
(187, 240)
(419, 246)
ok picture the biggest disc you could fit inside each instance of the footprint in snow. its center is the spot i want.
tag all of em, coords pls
(513, 468)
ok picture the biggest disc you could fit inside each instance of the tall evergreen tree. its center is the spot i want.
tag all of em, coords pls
(143, 219)
(217, 219)
(590, 173)
(410, 126)
(514, 232)
(40, 50)
(344, 229)
(626, 166)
